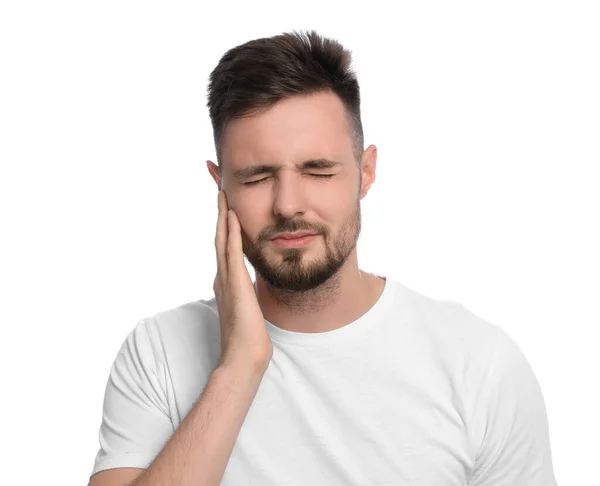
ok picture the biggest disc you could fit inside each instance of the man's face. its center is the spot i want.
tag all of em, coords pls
(290, 199)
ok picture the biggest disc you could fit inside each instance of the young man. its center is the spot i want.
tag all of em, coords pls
(318, 373)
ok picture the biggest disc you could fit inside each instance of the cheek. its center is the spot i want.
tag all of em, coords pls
(335, 204)
(248, 221)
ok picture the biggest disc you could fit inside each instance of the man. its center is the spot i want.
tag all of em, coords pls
(320, 373)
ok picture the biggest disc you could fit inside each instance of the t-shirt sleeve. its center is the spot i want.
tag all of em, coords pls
(515, 447)
(135, 418)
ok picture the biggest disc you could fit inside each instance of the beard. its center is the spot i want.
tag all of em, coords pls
(295, 270)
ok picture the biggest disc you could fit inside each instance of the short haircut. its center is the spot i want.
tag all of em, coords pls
(250, 78)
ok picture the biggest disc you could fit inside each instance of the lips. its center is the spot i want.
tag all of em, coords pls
(293, 236)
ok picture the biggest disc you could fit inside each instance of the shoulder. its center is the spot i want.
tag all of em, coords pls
(451, 327)
(182, 332)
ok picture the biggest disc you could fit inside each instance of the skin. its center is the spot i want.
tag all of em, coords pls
(319, 287)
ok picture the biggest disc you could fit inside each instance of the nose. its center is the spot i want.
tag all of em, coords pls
(290, 195)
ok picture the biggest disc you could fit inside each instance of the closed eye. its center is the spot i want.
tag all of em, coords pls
(324, 176)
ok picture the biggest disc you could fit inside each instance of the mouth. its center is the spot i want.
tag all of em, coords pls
(292, 236)
(294, 242)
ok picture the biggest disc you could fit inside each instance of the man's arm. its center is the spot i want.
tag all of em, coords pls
(137, 428)
(199, 450)
(512, 424)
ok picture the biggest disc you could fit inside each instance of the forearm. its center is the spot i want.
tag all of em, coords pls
(199, 450)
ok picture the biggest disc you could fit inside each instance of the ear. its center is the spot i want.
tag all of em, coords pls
(368, 169)
(213, 169)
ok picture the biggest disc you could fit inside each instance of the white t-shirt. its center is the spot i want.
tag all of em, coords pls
(417, 392)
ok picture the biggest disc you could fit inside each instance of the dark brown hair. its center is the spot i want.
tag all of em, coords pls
(252, 77)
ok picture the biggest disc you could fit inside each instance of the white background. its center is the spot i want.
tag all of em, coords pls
(486, 116)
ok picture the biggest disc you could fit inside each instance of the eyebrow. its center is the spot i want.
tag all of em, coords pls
(253, 170)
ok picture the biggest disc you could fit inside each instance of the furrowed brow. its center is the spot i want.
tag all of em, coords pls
(253, 170)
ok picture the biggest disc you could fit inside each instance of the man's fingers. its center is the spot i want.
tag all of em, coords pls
(235, 253)
(221, 238)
